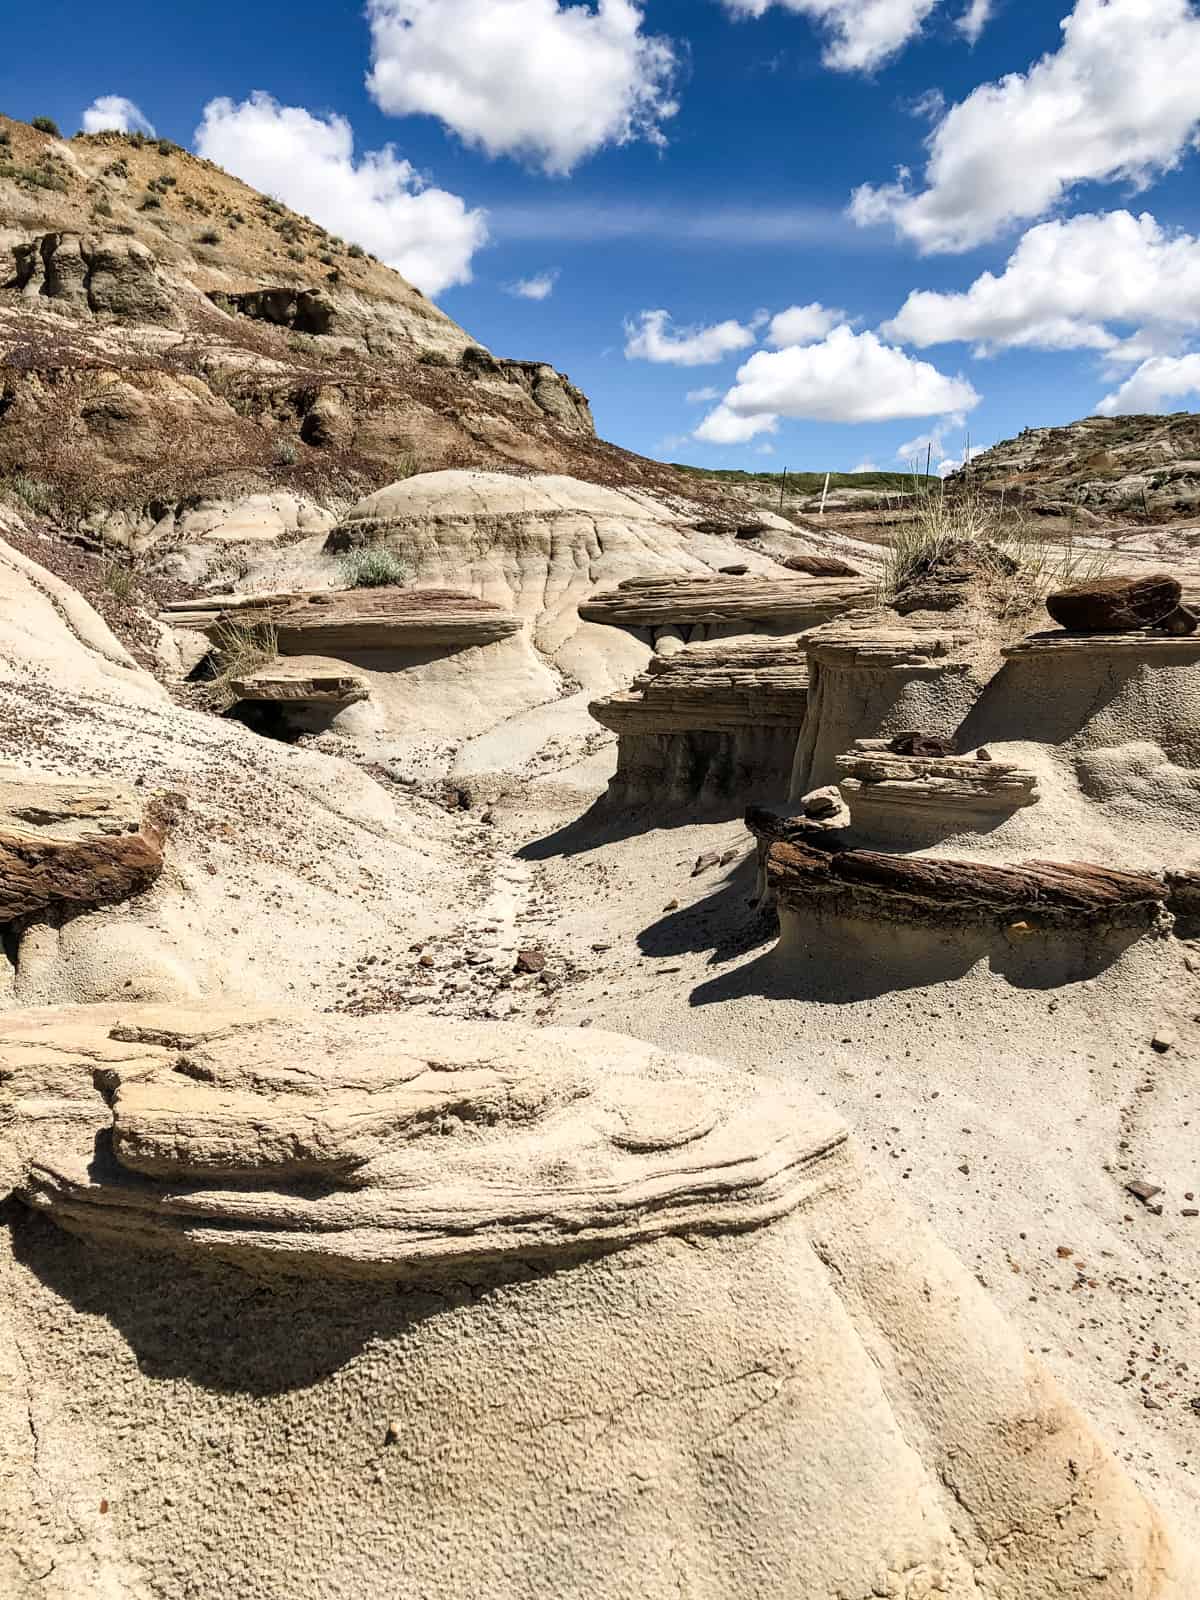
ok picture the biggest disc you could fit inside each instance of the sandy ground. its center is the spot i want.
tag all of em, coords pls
(1013, 1117)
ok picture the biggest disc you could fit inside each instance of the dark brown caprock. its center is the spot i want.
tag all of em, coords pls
(1116, 605)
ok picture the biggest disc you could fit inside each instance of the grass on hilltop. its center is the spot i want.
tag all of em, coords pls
(814, 482)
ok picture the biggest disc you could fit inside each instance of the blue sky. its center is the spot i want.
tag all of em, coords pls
(698, 158)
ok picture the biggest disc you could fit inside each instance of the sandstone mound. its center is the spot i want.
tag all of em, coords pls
(611, 1268)
(269, 845)
(350, 621)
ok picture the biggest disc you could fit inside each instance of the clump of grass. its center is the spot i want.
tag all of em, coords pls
(210, 236)
(1017, 562)
(120, 579)
(376, 567)
(102, 207)
(294, 253)
(241, 645)
(34, 493)
(357, 251)
(34, 177)
(284, 453)
(46, 125)
(433, 358)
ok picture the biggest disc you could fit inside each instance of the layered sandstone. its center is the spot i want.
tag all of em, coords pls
(334, 622)
(581, 1266)
(301, 680)
(875, 673)
(74, 844)
(757, 603)
(704, 725)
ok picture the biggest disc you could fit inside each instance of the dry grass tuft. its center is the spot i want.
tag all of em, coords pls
(1018, 564)
(241, 646)
(376, 567)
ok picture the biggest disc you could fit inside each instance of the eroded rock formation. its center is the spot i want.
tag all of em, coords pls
(301, 680)
(106, 274)
(708, 723)
(337, 621)
(77, 844)
(604, 1267)
(754, 602)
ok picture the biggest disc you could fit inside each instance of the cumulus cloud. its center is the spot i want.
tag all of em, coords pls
(863, 34)
(1064, 285)
(702, 397)
(538, 287)
(802, 325)
(652, 338)
(376, 200)
(864, 466)
(1116, 101)
(547, 83)
(1156, 381)
(113, 112)
(724, 426)
(848, 377)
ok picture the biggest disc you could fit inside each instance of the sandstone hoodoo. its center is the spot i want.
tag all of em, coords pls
(708, 723)
(288, 1153)
(74, 844)
(1116, 605)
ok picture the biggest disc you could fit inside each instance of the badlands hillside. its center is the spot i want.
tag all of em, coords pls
(563, 1032)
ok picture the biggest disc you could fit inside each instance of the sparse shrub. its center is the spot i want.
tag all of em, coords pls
(167, 148)
(376, 567)
(33, 493)
(120, 579)
(295, 253)
(240, 646)
(5, 139)
(210, 236)
(46, 125)
(102, 207)
(236, 220)
(117, 169)
(357, 251)
(433, 358)
(325, 258)
(150, 202)
(34, 177)
(284, 453)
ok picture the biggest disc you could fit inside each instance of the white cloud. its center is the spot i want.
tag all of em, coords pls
(539, 287)
(1160, 379)
(702, 397)
(113, 112)
(652, 338)
(802, 325)
(1062, 287)
(1116, 101)
(527, 78)
(724, 426)
(848, 377)
(949, 464)
(378, 201)
(865, 466)
(975, 19)
(863, 34)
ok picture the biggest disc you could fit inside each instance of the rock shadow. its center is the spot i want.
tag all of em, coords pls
(230, 1330)
(826, 963)
(724, 922)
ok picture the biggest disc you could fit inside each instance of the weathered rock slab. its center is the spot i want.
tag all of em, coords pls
(1115, 604)
(83, 844)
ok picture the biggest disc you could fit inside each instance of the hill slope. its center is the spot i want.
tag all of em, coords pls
(168, 334)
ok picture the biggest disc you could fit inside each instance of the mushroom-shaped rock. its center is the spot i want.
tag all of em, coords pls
(544, 1338)
(82, 844)
(703, 724)
(874, 673)
(1115, 604)
(791, 603)
(334, 621)
(301, 680)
